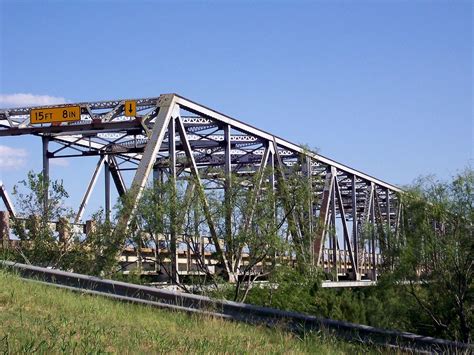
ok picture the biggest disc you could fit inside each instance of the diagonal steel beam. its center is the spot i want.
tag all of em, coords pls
(257, 187)
(90, 188)
(168, 109)
(255, 194)
(6, 199)
(114, 112)
(200, 191)
(117, 176)
(324, 213)
(293, 221)
(345, 228)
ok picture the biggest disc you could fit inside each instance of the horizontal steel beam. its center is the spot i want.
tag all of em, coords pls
(92, 127)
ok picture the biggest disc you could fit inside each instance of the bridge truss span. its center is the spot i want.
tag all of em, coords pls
(177, 138)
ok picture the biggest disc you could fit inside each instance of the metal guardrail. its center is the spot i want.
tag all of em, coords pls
(190, 303)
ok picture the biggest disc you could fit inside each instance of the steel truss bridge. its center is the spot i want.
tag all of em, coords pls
(173, 136)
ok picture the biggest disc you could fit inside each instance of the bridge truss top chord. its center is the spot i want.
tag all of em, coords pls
(173, 135)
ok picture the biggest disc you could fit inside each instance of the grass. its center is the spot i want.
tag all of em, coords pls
(46, 320)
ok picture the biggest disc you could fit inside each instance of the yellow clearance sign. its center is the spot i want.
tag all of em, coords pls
(56, 114)
(130, 108)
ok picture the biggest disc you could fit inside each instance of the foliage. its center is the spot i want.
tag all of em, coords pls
(288, 289)
(41, 244)
(64, 247)
(426, 287)
(97, 253)
(435, 255)
(248, 232)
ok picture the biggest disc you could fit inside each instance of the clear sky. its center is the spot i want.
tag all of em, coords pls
(382, 86)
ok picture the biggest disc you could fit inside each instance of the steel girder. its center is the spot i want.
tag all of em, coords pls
(169, 130)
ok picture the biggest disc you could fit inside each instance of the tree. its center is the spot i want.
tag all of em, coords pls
(435, 254)
(61, 247)
(257, 233)
(250, 225)
(40, 245)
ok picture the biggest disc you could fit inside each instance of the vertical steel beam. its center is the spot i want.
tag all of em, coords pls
(309, 176)
(228, 193)
(373, 230)
(387, 212)
(107, 188)
(45, 144)
(355, 237)
(271, 166)
(90, 188)
(271, 181)
(156, 175)
(333, 231)
(172, 178)
(397, 222)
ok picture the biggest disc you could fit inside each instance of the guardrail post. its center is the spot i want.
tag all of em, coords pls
(4, 229)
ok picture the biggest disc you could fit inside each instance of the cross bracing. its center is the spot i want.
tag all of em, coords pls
(178, 137)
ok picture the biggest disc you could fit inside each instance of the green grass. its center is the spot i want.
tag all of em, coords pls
(44, 319)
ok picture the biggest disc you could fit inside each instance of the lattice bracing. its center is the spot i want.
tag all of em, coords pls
(169, 129)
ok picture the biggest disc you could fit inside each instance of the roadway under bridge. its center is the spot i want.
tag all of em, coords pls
(171, 137)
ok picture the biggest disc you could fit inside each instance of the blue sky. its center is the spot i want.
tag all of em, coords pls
(382, 86)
